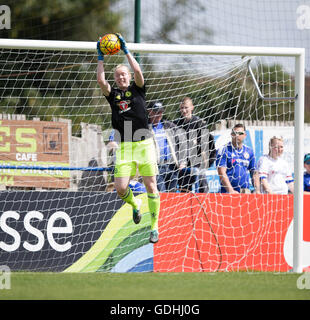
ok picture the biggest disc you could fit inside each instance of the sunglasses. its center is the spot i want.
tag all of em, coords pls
(238, 133)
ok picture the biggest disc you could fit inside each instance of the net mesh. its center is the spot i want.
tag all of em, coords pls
(54, 115)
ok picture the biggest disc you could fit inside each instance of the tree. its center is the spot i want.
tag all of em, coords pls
(61, 19)
(53, 84)
(178, 23)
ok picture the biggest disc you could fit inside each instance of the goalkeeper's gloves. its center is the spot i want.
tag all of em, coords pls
(100, 54)
(123, 43)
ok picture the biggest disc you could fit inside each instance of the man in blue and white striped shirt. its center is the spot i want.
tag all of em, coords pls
(235, 161)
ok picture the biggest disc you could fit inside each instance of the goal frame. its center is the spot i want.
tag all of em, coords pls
(297, 53)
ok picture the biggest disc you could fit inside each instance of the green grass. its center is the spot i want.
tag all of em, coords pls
(154, 286)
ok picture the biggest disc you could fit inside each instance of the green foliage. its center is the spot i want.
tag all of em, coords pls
(231, 96)
(38, 84)
(52, 84)
(61, 19)
(177, 25)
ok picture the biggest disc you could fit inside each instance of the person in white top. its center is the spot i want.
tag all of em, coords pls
(274, 172)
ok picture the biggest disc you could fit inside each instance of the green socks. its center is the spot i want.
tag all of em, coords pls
(154, 206)
(130, 198)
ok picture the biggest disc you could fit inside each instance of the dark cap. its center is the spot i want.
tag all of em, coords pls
(307, 158)
(156, 106)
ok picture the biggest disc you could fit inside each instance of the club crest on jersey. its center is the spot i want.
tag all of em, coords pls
(124, 106)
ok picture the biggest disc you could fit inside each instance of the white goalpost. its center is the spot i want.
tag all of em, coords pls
(55, 121)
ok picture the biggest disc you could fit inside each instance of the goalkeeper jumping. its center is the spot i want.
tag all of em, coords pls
(130, 122)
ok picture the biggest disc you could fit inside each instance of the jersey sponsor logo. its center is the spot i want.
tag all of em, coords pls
(243, 162)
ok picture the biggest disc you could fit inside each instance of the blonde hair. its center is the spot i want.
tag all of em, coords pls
(122, 66)
(185, 99)
(274, 138)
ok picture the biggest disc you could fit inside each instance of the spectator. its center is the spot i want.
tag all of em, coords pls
(307, 173)
(201, 151)
(274, 172)
(235, 161)
(171, 146)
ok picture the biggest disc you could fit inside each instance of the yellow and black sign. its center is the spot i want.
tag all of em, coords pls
(34, 144)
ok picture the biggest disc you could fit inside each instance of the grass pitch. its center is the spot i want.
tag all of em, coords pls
(154, 286)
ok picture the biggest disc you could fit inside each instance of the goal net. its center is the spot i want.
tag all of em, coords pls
(59, 209)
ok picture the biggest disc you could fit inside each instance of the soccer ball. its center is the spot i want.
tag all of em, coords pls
(110, 44)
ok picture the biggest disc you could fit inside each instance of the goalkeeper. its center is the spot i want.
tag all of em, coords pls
(130, 122)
